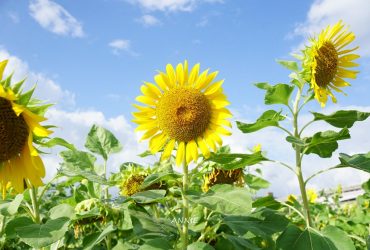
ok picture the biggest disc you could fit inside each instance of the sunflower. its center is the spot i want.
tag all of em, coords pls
(20, 118)
(183, 110)
(220, 176)
(327, 62)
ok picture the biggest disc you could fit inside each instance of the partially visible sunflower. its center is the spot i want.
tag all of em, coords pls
(20, 118)
(327, 62)
(184, 111)
(220, 176)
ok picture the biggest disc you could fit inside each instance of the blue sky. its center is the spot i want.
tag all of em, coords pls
(99, 52)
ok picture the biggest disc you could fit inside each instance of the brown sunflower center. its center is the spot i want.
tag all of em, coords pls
(13, 131)
(183, 113)
(327, 63)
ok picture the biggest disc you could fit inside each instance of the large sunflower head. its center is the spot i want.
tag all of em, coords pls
(327, 61)
(185, 110)
(20, 118)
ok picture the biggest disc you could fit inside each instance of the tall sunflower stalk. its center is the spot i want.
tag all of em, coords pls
(184, 111)
(325, 67)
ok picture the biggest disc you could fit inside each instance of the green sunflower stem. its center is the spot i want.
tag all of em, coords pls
(108, 239)
(35, 205)
(298, 160)
(185, 217)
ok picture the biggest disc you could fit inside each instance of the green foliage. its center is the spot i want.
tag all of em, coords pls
(267, 119)
(358, 161)
(276, 94)
(342, 118)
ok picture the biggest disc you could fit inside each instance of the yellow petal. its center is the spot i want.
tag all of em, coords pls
(146, 100)
(149, 133)
(2, 68)
(191, 151)
(157, 142)
(171, 74)
(180, 153)
(213, 88)
(203, 84)
(194, 74)
(180, 74)
(203, 147)
(162, 82)
(168, 150)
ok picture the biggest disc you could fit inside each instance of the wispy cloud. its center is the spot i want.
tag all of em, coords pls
(325, 12)
(53, 17)
(171, 5)
(13, 16)
(122, 45)
(149, 20)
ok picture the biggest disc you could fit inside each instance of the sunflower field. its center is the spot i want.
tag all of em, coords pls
(199, 194)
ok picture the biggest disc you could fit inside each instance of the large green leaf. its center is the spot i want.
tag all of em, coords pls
(81, 159)
(74, 171)
(200, 246)
(102, 142)
(158, 177)
(325, 143)
(255, 182)
(149, 196)
(276, 94)
(62, 210)
(231, 242)
(156, 244)
(92, 240)
(233, 161)
(267, 119)
(342, 118)
(14, 223)
(339, 238)
(264, 223)
(11, 208)
(309, 239)
(358, 161)
(226, 199)
(291, 65)
(43, 235)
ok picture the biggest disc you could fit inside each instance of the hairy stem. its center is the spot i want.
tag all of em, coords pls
(298, 160)
(185, 217)
(35, 205)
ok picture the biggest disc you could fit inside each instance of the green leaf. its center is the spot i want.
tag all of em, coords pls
(226, 199)
(80, 159)
(102, 142)
(92, 240)
(279, 94)
(62, 210)
(158, 177)
(339, 238)
(235, 161)
(342, 118)
(309, 239)
(358, 161)
(295, 141)
(149, 196)
(43, 235)
(325, 143)
(11, 208)
(291, 65)
(58, 142)
(15, 223)
(267, 119)
(264, 223)
(200, 246)
(232, 242)
(156, 244)
(256, 182)
(267, 201)
(74, 171)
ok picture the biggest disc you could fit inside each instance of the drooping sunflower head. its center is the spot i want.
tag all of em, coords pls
(20, 118)
(183, 110)
(327, 62)
(220, 176)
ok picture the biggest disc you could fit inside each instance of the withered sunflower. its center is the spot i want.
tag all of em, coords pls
(327, 61)
(184, 111)
(20, 118)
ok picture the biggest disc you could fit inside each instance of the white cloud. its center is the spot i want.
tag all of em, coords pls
(325, 12)
(53, 17)
(47, 89)
(119, 45)
(171, 5)
(13, 16)
(149, 20)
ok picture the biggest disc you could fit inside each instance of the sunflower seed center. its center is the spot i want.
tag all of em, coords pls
(327, 64)
(13, 131)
